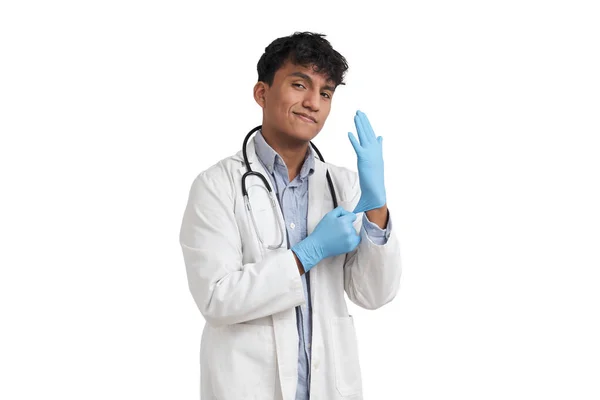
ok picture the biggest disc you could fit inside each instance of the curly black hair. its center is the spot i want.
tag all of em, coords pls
(302, 48)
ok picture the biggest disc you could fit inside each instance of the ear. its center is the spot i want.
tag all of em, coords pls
(260, 92)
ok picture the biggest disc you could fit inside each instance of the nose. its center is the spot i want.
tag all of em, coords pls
(312, 100)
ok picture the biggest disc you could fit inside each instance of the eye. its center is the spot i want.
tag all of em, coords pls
(326, 95)
(298, 85)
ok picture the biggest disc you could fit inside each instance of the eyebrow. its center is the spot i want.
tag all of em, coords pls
(309, 79)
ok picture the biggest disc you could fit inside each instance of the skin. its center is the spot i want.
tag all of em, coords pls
(295, 90)
(298, 89)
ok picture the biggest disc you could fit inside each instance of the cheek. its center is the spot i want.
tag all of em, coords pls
(325, 109)
(280, 104)
(273, 107)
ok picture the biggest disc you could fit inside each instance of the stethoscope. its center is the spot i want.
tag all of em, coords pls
(267, 187)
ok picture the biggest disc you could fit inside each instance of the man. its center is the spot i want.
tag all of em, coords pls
(277, 324)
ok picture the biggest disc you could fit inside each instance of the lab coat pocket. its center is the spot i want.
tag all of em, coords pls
(243, 362)
(345, 349)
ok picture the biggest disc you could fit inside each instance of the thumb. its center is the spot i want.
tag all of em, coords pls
(338, 212)
(345, 213)
(350, 217)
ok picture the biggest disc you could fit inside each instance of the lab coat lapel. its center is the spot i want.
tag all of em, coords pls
(318, 195)
(284, 323)
(318, 192)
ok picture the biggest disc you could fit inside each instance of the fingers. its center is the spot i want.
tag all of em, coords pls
(363, 127)
(341, 212)
(365, 132)
(347, 219)
(338, 211)
(350, 216)
(354, 142)
(354, 237)
(357, 240)
(362, 134)
(367, 124)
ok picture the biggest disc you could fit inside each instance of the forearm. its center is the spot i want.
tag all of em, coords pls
(225, 295)
(379, 216)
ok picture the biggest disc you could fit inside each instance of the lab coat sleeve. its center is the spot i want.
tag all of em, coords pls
(372, 271)
(375, 233)
(225, 291)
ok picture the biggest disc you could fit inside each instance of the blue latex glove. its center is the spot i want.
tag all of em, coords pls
(332, 236)
(370, 165)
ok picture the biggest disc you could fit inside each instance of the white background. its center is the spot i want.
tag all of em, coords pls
(490, 118)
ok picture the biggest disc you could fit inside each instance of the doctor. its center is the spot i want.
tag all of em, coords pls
(269, 274)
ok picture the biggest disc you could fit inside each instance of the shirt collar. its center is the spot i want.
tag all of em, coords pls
(269, 157)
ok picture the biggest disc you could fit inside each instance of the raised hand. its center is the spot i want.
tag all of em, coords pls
(370, 165)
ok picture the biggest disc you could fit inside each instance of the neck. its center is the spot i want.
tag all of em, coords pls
(293, 152)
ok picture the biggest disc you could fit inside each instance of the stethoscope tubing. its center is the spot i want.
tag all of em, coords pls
(267, 187)
(265, 181)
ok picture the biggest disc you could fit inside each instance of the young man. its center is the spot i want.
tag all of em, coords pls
(269, 274)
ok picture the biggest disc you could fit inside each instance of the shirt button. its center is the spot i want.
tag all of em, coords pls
(292, 225)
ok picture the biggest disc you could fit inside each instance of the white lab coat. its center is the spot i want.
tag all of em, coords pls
(248, 293)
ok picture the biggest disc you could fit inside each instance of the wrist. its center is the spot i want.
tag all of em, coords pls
(379, 216)
(299, 264)
(307, 253)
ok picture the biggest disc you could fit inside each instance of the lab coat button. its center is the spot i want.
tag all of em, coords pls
(292, 225)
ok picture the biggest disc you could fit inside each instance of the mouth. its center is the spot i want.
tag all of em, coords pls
(306, 118)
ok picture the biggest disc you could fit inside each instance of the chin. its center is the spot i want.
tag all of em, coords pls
(303, 137)
(304, 133)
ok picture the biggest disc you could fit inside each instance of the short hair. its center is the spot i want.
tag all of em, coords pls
(302, 48)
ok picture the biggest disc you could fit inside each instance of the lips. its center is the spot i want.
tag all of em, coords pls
(306, 118)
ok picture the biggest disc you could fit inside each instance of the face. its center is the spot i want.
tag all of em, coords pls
(297, 104)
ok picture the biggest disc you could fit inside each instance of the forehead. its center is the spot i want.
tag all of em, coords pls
(288, 69)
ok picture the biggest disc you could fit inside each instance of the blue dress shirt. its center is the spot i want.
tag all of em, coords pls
(293, 200)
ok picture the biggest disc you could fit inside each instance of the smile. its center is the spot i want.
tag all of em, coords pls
(305, 119)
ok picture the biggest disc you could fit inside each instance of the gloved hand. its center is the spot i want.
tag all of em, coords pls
(333, 235)
(370, 165)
